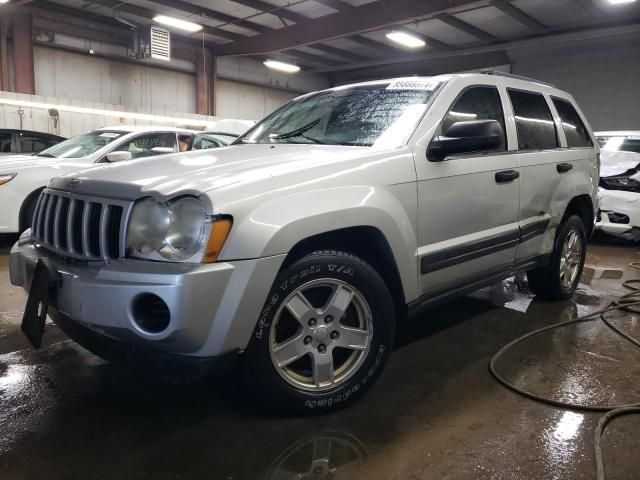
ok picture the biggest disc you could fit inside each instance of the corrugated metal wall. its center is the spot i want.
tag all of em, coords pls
(606, 83)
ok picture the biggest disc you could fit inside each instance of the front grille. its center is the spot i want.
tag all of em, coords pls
(80, 226)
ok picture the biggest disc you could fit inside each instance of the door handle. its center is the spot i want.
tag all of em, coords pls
(563, 167)
(506, 176)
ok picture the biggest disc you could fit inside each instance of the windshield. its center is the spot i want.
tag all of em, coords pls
(206, 140)
(381, 114)
(82, 145)
(620, 143)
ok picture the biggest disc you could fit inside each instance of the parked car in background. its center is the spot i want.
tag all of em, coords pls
(26, 142)
(205, 140)
(23, 177)
(619, 190)
(301, 247)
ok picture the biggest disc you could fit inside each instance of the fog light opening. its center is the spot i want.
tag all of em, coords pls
(150, 313)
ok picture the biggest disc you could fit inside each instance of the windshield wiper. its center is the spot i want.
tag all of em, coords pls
(298, 132)
(44, 154)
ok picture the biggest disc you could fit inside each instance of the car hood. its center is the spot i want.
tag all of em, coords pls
(617, 163)
(200, 171)
(18, 163)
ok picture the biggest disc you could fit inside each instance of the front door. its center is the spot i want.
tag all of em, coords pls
(468, 203)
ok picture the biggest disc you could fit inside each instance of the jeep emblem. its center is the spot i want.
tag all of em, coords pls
(72, 182)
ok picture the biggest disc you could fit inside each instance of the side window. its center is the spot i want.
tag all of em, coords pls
(183, 142)
(5, 143)
(32, 144)
(202, 143)
(575, 131)
(477, 103)
(149, 145)
(534, 122)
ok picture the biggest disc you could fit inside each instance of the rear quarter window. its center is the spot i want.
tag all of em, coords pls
(574, 129)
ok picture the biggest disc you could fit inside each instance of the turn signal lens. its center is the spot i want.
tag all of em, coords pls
(220, 230)
(7, 178)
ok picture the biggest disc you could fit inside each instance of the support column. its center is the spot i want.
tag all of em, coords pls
(213, 86)
(203, 67)
(4, 55)
(23, 54)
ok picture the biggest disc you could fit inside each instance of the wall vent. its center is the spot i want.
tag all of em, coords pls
(160, 44)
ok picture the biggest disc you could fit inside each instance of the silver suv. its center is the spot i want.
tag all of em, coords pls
(291, 254)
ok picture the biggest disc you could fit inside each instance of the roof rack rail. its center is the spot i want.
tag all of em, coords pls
(498, 73)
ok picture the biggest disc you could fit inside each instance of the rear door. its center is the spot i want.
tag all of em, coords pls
(546, 167)
(468, 215)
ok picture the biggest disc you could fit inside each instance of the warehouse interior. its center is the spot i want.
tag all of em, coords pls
(452, 403)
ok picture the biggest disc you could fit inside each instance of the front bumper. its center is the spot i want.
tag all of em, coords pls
(213, 307)
(167, 367)
(613, 205)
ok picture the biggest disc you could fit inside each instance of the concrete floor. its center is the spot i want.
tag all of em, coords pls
(435, 413)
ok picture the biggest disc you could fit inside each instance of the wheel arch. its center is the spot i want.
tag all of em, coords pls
(364, 241)
(582, 205)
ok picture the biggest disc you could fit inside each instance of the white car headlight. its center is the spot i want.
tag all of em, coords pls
(174, 231)
(6, 178)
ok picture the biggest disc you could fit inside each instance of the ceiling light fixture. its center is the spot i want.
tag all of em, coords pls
(619, 2)
(405, 39)
(4, 1)
(177, 23)
(281, 66)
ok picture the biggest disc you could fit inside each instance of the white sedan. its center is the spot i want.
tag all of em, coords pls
(22, 177)
(619, 190)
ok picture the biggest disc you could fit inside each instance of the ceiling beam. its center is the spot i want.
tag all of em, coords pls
(265, 7)
(368, 17)
(257, 27)
(310, 57)
(187, 7)
(118, 6)
(373, 45)
(466, 28)
(525, 19)
(338, 52)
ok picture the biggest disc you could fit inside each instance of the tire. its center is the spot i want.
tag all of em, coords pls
(549, 282)
(367, 328)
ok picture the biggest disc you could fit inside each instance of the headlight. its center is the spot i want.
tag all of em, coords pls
(174, 231)
(7, 178)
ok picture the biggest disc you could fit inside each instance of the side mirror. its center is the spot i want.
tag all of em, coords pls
(466, 137)
(118, 156)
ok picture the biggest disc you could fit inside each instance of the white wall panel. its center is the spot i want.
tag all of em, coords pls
(64, 74)
(241, 100)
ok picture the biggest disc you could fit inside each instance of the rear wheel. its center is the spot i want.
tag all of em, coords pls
(559, 279)
(324, 336)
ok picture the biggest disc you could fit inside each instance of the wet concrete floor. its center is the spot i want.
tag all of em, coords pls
(435, 413)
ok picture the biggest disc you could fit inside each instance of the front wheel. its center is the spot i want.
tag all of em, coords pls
(560, 277)
(324, 335)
